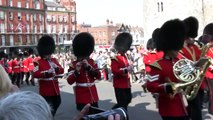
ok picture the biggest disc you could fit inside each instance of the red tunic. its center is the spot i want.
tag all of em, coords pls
(30, 63)
(168, 106)
(10, 70)
(25, 67)
(16, 66)
(209, 72)
(48, 86)
(151, 57)
(192, 52)
(120, 78)
(84, 94)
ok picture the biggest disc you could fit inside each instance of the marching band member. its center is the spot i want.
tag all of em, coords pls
(206, 39)
(121, 70)
(170, 41)
(192, 51)
(84, 71)
(31, 67)
(16, 69)
(46, 70)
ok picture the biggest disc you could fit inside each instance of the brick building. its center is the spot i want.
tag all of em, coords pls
(23, 22)
(60, 19)
(103, 35)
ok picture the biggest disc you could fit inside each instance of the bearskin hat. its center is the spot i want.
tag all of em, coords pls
(83, 44)
(2, 54)
(171, 36)
(192, 25)
(46, 45)
(123, 41)
(30, 51)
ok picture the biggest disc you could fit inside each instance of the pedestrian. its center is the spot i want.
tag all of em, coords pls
(84, 71)
(121, 70)
(161, 77)
(46, 70)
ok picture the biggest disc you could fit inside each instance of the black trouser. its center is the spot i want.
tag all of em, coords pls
(210, 100)
(195, 106)
(123, 97)
(175, 118)
(79, 107)
(54, 102)
(16, 79)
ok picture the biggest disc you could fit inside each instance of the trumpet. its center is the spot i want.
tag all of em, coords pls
(190, 74)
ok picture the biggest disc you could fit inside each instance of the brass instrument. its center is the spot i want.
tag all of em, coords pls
(191, 74)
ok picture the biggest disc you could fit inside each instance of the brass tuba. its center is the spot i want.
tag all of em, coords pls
(191, 74)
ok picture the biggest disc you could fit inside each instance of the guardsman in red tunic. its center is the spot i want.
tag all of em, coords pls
(121, 70)
(170, 106)
(192, 51)
(84, 71)
(46, 70)
(25, 67)
(30, 67)
(16, 69)
(207, 38)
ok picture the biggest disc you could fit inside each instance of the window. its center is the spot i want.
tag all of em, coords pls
(60, 18)
(48, 28)
(34, 29)
(158, 6)
(3, 40)
(37, 6)
(34, 17)
(20, 40)
(65, 19)
(41, 28)
(40, 17)
(27, 5)
(48, 18)
(19, 16)
(11, 3)
(19, 5)
(28, 39)
(61, 29)
(161, 6)
(54, 18)
(11, 40)
(65, 29)
(11, 15)
(54, 29)
(2, 15)
(0, 2)
(27, 17)
(27, 28)
(2, 29)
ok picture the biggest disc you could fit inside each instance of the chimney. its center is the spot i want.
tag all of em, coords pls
(111, 22)
(107, 21)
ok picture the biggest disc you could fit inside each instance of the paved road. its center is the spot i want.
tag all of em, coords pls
(142, 106)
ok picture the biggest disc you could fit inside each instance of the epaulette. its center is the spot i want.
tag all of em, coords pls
(156, 65)
(71, 65)
(114, 58)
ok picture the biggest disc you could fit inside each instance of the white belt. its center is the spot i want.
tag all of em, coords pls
(85, 84)
(47, 79)
(31, 64)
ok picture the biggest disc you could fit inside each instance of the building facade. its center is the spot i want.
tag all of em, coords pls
(60, 20)
(103, 35)
(156, 12)
(23, 22)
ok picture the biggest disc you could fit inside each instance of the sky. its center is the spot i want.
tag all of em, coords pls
(96, 12)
